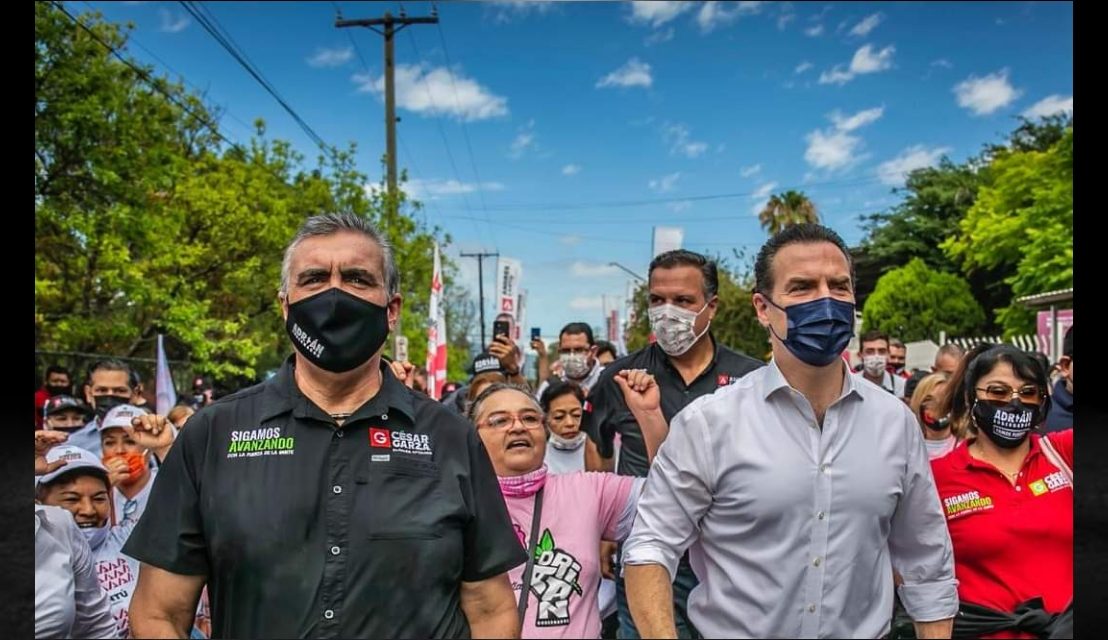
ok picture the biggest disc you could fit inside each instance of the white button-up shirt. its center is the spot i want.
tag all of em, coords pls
(68, 599)
(795, 530)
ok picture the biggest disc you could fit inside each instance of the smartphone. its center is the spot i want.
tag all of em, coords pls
(500, 328)
(535, 333)
(400, 352)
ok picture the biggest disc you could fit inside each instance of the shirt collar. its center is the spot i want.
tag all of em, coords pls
(962, 459)
(281, 395)
(775, 380)
(665, 358)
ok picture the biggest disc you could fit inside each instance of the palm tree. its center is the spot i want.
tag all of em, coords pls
(786, 209)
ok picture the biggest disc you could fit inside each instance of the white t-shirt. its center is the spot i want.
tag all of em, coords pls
(68, 599)
(892, 384)
(117, 573)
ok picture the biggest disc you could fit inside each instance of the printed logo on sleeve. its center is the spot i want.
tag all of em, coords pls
(966, 503)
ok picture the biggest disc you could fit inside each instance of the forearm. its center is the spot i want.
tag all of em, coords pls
(544, 369)
(654, 430)
(498, 624)
(650, 597)
(490, 607)
(937, 629)
(164, 604)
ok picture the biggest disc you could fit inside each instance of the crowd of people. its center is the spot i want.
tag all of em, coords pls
(683, 490)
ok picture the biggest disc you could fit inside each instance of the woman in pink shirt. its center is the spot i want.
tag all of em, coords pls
(575, 510)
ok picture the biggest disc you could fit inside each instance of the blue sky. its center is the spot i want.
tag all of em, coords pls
(592, 122)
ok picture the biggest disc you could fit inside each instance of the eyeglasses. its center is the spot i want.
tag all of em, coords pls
(505, 420)
(1002, 393)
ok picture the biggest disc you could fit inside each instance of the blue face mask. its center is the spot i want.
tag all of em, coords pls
(818, 330)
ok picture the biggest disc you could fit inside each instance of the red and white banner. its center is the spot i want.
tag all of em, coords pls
(436, 333)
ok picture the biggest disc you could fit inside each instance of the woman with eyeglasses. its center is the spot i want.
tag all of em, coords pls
(937, 433)
(560, 518)
(1008, 497)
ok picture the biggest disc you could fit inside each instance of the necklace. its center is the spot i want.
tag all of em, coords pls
(981, 455)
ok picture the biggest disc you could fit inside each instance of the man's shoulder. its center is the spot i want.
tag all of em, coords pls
(737, 360)
(641, 359)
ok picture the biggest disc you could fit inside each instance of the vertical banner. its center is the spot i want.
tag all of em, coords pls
(667, 239)
(521, 315)
(165, 394)
(436, 333)
(508, 273)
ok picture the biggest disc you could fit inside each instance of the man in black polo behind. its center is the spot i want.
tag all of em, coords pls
(687, 362)
(331, 500)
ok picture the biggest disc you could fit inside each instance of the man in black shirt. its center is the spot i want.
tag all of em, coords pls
(687, 362)
(329, 501)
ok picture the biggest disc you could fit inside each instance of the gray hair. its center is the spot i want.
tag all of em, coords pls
(474, 408)
(332, 223)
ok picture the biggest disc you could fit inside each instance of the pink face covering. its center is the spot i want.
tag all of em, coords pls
(522, 486)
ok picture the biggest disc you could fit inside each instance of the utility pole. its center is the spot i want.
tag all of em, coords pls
(391, 27)
(481, 286)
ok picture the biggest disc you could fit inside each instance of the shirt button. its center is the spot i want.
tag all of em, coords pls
(816, 562)
(821, 515)
(811, 608)
(824, 467)
(337, 489)
(1017, 488)
(328, 614)
(339, 433)
(335, 551)
(384, 416)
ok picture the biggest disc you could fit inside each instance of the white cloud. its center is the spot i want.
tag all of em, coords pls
(717, 14)
(985, 95)
(784, 19)
(524, 140)
(858, 120)
(658, 37)
(762, 192)
(803, 66)
(331, 57)
(432, 92)
(583, 303)
(865, 61)
(751, 171)
(171, 24)
(868, 24)
(942, 62)
(571, 169)
(592, 269)
(815, 31)
(435, 189)
(893, 172)
(633, 74)
(665, 183)
(657, 13)
(1050, 105)
(677, 136)
(570, 240)
(507, 9)
(833, 149)
(679, 207)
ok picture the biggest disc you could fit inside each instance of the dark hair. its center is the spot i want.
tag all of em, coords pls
(557, 390)
(983, 358)
(1043, 361)
(135, 378)
(603, 346)
(873, 335)
(797, 233)
(911, 383)
(685, 258)
(110, 364)
(57, 368)
(577, 328)
(1067, 343)
(475, 406)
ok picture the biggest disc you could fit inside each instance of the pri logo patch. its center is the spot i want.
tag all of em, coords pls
(380, 438)
(723, 380)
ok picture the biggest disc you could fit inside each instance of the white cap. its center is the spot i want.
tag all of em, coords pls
(75, 458)
(120, 416)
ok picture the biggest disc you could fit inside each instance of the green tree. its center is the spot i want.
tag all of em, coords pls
(916, 302)
(786, 209)
(1022, 224)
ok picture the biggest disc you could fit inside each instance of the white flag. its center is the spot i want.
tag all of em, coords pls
(166, 395)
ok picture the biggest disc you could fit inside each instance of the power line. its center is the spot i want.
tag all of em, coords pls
(210, 25)
(465, 129)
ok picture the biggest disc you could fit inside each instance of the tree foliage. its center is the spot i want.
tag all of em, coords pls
(786, 209)
(916, 302)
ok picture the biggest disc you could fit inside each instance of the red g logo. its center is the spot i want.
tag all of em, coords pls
(380, 438)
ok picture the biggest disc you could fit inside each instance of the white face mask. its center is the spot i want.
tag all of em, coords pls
(874, 365)
(96, 535)
(558, 442)
(576, 365)
(674, 327)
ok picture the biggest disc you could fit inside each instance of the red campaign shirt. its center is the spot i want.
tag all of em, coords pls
(41, 396)
(1011, 543)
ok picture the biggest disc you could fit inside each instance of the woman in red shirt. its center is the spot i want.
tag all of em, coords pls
(1008, 497)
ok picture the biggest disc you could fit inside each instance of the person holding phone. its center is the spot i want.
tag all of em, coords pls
(504, 350)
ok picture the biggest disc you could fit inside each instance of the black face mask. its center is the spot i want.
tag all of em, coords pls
(57, 390)
(337, 331)
(1006, 426)
(104, 404)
